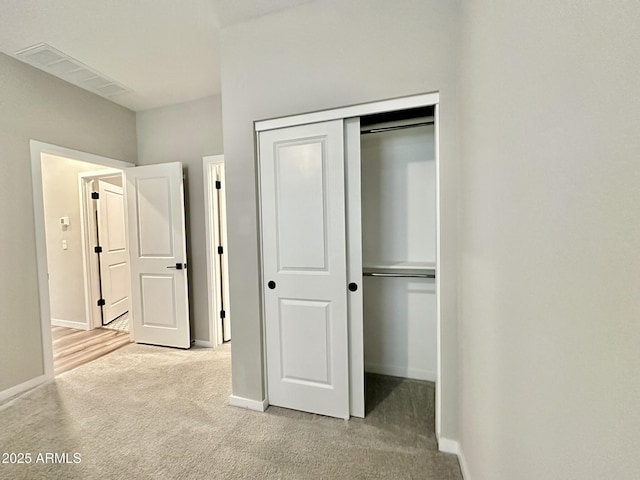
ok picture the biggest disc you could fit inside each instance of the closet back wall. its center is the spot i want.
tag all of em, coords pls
(316, 57)
(399, 196)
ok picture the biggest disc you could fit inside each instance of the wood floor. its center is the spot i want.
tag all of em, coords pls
(72, 348)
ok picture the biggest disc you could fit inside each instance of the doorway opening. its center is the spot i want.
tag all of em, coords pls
(155, 230)
(72, 235)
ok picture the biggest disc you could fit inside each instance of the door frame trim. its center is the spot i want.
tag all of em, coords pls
(211, 232)
(37, 148)
(89, 260)
(381, 106)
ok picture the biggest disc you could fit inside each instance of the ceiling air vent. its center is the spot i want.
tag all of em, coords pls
(53, 61)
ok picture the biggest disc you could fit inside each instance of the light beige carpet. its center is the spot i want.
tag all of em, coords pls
(146, 412)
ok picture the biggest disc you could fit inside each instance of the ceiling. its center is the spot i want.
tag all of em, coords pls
(162, 51)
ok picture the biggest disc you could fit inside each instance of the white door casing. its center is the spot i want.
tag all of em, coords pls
(302, 192)
(114, 258)
(216, 235)
(223, 264)
(158, 259)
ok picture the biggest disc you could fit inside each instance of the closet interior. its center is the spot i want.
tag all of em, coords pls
(398, 190)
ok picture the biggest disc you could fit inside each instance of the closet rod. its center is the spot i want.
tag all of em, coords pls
(395, 127)
(400, 275)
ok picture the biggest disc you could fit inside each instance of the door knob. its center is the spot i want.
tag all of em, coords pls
(178, 266)
(271, 284)
(353, 286)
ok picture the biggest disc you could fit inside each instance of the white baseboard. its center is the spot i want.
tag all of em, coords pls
(23, 387)
(257, 405)
(57, 322)
(463, 466)
(404, 372)
(202, 343)
(447, 445)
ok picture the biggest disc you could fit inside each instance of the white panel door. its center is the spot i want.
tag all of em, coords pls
(155, 204)
(114, 258)
(302, 187)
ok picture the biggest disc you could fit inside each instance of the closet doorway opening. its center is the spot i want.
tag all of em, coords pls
(350, 249)
(398, 224)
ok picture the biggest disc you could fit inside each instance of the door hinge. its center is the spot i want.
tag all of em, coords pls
(95, 196)
(101, 302)
(222, 314)
(218, 184)
(220, 250)
(97, 249)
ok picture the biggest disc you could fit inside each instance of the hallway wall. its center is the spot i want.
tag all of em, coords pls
(185, 133)
(35, 105)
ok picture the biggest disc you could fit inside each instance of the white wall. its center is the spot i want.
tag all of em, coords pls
(62, 199)
(185, 133)
(35, 105)
(550, 231)
(318, 56)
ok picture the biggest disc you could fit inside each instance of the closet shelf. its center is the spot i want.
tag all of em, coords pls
(400, 269)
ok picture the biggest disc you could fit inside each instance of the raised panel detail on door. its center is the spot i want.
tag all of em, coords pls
(300, 175)
(155, 232)
(116, 237)
(305, 342)
(158, 301)
(119, 282)
(304, 260)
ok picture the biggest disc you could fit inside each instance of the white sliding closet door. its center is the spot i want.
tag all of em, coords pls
(302, 192)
